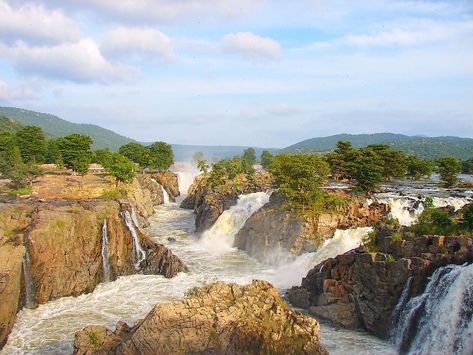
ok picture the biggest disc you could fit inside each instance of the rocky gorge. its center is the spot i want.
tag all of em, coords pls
(55, 245)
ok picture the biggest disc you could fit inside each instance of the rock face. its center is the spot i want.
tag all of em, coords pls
(274, 229)
(216, 319)
(51, 249)
(361, 289)
(209, 203)
(169, 181)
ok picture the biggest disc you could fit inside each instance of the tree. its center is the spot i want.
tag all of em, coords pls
(74, 148)
(53, 154)
(32, 144)
(418, 168)
(136, 153)
(122, 168)
(394, 164)
(467, 213)
(203, 166)
(266, 159)
(81, 164)
(103, 157)
(9, 154)
(299, 177)
(249, 156)
(367, 170)
(339, 159)
(449, 168)
(161, 156)
(467, 166)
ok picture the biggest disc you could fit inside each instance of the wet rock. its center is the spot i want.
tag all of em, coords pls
(360, 289)
(215, 319)
(169, 181)
(161, 261)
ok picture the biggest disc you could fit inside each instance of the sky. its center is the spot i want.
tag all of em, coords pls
(247, 72)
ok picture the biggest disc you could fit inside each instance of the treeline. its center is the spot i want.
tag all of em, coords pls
(22, 151)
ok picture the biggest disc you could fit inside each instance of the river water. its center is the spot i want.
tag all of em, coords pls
(50, 328)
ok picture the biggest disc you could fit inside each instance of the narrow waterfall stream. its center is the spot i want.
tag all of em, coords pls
(50, 328)
(132, 223)
(29, 301)
(105, 264)
(165, 195)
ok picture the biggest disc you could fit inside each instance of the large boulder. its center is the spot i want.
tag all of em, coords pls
(275, 231)
(215, 319)
(360, 289)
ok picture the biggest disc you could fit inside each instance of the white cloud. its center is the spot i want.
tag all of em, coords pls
(251, 46)
(33, 23)
(283, 109)
(78, 62)
(124, 41)
(8, 92)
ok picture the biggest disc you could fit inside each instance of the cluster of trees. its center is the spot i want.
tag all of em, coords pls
(21, 152)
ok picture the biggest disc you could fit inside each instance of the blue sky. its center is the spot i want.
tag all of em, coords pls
(247, 72)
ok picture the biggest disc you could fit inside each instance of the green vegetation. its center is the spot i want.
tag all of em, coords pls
(136, 152)
(228, 169)
(32, 144)
(203, 166)
(418, 168)
(198, 156)
(102, 156)
(7, 125)
(367, 170)
(122, 168)
(467, 166)
(161, 156)
(114, 194)
(75, 152)
(53, 154)
(266, 159)
(449, 168)
(249, 157)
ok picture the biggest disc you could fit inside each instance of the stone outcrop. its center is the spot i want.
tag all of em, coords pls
(62, 242)
(275, 230)
(169, 181)
(209, 203)
(215, 319)
(360, 289)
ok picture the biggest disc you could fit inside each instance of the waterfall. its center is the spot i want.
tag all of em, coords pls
(105, 264)
(29, 286)
(138, 251)
(440, 320)
(405, 209)
(222, 234)
(456, 202)
(165, 195)
(343, 240)
(186, 173)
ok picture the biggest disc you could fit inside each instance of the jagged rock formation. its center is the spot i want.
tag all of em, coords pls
(360, 289)
(275, 228)
(170, 183)
(54, 248)
(215, 319)
(209, 203)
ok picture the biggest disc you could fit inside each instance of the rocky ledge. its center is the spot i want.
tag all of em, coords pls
(215, 319)
(275, 230)
(360, 289)
(209, 203)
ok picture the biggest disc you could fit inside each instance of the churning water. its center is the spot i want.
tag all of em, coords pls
(50, 328)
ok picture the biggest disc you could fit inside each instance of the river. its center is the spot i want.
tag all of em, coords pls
(50, 328)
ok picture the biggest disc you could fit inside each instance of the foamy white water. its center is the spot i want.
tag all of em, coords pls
(131, 223)
(50, 328)
(186, 173)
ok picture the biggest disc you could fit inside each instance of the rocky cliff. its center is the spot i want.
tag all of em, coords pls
(361, 289)
(209, 203)
(275, 230)
(52, 248)
(215, 319)
(169, 181)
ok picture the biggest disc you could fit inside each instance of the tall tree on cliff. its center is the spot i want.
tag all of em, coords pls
(32, 144)
(161, 156)
(136, 153)
(367, 170)
(122, 168)
(75, 151)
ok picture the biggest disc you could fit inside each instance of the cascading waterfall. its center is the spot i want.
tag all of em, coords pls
(185, 177)
(165, 195)
(138, 251)
(440, 320)
(105, 263)
(222, 234)
(455, 202)
(29, 286)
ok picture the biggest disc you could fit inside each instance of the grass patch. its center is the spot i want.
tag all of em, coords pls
(27, 190)
(114, 194)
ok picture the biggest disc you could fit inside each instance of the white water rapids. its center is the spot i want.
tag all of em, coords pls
(50, 328)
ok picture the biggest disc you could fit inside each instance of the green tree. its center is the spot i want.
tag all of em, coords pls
(53, 154)
(122, 168)
(367, 170)
(339, 159)
(103, 157)
(136, 153)
(449, 168)
(394, 164)
(418, 168)
(249, 158)
(198, 156)
(266, 158)
(467, 166)
(81, 164)
(467, 213)
(203, 166)
(9, 154)
(32, 144)
(299, 177)
(74, 148)
(161, 156)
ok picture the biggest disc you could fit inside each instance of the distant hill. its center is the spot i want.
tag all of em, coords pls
(425, 147)
(57, 127)
(9, 125)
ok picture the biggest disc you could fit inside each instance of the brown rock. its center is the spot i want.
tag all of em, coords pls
(217, 319)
